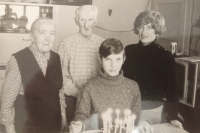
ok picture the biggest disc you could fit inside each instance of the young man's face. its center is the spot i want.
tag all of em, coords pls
(146, 34)
(86, 23)
(44, 36)
(112, 64)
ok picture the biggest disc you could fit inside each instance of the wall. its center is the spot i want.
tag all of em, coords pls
(120, 24)
(195, 44)
(65, 22)
(120, 21)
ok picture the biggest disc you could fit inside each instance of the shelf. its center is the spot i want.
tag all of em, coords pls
(14, 32)
(53, 3)
(2, 67)
(22, 15)
(25, 4)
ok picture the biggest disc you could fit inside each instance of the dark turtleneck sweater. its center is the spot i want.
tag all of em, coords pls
(105, 92)
(152, 67)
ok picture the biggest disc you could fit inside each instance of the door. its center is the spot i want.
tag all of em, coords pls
(176, 14)
(64, 17)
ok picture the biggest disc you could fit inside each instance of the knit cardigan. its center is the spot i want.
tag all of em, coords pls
(105, 92)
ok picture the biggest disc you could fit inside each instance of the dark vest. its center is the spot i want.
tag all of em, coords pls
(41, 93)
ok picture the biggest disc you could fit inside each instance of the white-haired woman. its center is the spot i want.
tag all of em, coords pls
(30, 93)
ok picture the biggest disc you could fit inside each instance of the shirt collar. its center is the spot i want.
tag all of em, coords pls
(37, 53)
(91, 38)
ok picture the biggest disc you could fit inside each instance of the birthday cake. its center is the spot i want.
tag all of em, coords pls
(122, 123)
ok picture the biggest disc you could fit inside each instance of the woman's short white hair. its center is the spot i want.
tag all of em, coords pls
(41, 20)
(90, 8)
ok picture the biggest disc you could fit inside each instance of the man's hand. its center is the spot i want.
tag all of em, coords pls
(75, 127)
(145, 127)
(177, 124)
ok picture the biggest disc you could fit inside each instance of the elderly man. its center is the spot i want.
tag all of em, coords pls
(30, 94)
(79, 56)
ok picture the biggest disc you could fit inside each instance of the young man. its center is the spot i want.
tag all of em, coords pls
(110, 89)
(79, 56)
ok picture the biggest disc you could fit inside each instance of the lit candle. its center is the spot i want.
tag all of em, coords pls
(107, 123)
(133, 117)
(110, 124)
(127, 112)
(130, 124)
(116, 124)
(127, 124)
(120, 125)
(104, 122)
(109, 113)
(117, 112)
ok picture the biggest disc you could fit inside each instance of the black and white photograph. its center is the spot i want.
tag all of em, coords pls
(99, 66)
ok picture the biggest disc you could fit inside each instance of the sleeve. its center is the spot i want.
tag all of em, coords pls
(60, 82)
(62, 101)
(136, 104)
(63, 108)
(10, 90)
(83, 107)
(70, 88)
(170, 89)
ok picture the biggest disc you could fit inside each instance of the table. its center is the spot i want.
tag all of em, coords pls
(167, 128)
(158, 128)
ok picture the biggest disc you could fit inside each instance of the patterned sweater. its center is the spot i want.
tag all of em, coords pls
(105, 92)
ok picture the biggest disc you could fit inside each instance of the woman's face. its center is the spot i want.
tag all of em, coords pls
(146, 34)
(44, 36)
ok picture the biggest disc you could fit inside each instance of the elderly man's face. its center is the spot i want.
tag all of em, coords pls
(44, 36)
(86, 22)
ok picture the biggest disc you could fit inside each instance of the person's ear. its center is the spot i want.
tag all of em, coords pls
(32, 37)
(99, 57)
(124, 59)
(95, 21)
(157, 35)
(76, 21)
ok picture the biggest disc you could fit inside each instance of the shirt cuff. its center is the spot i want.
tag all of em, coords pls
(150, 123)
(9, 127)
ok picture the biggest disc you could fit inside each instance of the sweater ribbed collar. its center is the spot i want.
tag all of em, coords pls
(147, 46)
(111, 80)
